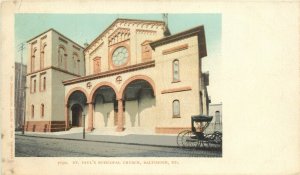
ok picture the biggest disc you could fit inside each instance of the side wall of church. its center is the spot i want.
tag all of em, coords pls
(185, 90)
(58, 94)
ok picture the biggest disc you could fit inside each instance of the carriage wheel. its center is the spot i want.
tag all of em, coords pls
(189, 140)
(180, 138)
(217, 137)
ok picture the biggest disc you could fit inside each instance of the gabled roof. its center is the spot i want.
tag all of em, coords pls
(122, 20)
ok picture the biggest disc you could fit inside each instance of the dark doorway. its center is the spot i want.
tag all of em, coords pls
(76, 115)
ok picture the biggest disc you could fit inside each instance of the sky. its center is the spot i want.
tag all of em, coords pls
(83, 28)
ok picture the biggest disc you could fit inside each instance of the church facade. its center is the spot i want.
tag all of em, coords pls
(135, 74)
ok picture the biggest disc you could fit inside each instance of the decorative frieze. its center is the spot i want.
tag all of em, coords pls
(112, 72)
(119, 35)
(145, 32)
(96, 48)
(126, 23)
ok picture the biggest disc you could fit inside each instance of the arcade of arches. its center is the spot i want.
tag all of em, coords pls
(106, 107)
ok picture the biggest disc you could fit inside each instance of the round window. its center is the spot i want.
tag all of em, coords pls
(120, 56)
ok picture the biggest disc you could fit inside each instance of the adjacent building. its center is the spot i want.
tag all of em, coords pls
(20, 80)
(133, 75)
(215, 110)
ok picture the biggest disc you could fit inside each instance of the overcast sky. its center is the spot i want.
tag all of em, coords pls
(83, 28)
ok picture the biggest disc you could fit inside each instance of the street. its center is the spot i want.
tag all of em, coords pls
(51, 147)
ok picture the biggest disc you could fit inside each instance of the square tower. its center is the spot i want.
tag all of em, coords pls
(52, 58)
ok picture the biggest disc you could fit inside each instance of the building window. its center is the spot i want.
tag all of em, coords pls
(33, 60)
(34, 86)
(43, 56)
(218, 117)
(97, 65)
(75, 63)
(32, 83)
(32, 111)
(176, 71)
(42, 110)
(62, 60)
(146, 51)
(176, 109)
(78, 66)
(44, 83)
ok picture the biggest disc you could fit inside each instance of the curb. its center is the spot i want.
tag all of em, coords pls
(101, 141)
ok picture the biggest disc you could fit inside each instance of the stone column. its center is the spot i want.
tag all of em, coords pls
(90, 113)
(120, 127)
(67, 106)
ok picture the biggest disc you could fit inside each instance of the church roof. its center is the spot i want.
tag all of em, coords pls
(123, 20)
(196, 31)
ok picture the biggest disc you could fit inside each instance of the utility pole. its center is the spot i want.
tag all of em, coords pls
(22, 89)
(83, 133)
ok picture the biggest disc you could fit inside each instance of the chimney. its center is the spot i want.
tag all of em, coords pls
(166, 28)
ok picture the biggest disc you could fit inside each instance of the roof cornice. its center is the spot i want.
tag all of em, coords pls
(115, 22)
(199, 30)
(51, 29)
(130, 68)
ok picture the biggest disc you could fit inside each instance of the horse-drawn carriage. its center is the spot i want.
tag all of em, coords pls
(196, 137)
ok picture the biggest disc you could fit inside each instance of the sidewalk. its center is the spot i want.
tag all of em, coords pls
(144, 138)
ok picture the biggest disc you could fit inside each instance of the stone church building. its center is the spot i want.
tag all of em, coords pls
(135, 74)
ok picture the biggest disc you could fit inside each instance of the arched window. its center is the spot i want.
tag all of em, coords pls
(78, 66)
(176, 71)
(97, 65)
(218, 117)
(44, 83)
(34, 85)
(75, 57)
(33, 60)
(42, 61)
(32, 111)
(62, 60)
(176, 108)
(42, 110)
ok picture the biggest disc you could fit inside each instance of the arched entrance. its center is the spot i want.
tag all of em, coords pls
(138, 95)
(103, 98)
(76, 107)
(76, 115)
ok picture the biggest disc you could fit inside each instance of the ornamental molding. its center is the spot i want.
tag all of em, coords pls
(109, 73)
(125, 23)
(180, 89)
(119, 35)
(148, 32)
(96, 48)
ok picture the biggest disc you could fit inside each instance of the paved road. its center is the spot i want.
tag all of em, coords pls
(50, 147)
